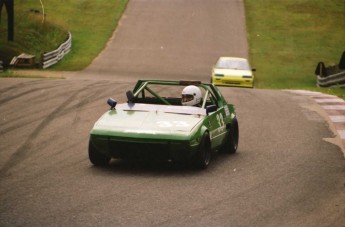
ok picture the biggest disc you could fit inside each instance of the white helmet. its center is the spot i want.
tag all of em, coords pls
(191, 96)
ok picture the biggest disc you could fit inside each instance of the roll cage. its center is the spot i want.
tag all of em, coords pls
(144, 92)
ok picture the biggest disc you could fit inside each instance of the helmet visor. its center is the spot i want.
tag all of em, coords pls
(187, 98)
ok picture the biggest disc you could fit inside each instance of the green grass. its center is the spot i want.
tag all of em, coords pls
(90, 22)
(30, 34)
(287, 39)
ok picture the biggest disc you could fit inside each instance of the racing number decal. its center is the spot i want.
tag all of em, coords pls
(181, 124)
(164, 124)
(220, 120)
(168, 124)
(218, 130)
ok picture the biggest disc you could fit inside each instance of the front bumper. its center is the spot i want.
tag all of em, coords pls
(144, 149)
(233, 81)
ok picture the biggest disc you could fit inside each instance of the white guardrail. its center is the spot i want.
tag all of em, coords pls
(332, 76)
(335, 80)
(50, 58)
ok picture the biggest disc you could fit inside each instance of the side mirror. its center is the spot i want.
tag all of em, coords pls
(211, 108)
(112, 103)
(253, 69)
(130, 96)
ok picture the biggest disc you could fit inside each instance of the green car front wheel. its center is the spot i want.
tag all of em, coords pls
(97, 158)
(203, 156)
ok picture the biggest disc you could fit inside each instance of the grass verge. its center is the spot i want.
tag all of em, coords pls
(288, 38)
(90, 22)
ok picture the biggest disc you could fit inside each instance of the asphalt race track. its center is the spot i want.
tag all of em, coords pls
(286, 171)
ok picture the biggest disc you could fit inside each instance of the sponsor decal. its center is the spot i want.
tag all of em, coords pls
(141, 131)
(172, 124)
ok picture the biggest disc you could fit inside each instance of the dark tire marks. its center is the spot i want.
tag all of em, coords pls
(19, 87)
(23, 151)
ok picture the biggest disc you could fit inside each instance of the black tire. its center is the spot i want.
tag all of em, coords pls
(203, 156)
(97, 158)
(231, 143)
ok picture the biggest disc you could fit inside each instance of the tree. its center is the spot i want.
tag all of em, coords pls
(9, 4)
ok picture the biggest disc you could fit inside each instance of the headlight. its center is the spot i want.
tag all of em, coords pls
(247, 77)
(219, 74)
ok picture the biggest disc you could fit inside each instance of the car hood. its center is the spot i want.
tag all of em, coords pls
(148, 120)
(232, 72)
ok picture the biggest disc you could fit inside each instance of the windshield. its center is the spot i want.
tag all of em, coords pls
(231, 63)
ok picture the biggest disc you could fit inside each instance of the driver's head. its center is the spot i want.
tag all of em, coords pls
(191, 96)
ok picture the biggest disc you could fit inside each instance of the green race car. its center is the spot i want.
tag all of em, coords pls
(157, 124)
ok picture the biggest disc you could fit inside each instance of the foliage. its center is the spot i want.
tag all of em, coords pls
(90, 22)
(288, 38)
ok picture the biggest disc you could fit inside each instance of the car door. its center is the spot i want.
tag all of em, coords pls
(217, 121)
(217, 127)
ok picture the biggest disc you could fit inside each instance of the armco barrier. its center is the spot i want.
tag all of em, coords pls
(50, 58)
(337, 80)
(332, 76)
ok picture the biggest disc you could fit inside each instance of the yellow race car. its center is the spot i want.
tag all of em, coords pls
(233, 71)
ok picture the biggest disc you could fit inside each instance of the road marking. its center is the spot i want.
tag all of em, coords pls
(337, 118)
(313, 94)
(333, 107)
(333, 100)
(341, 134)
